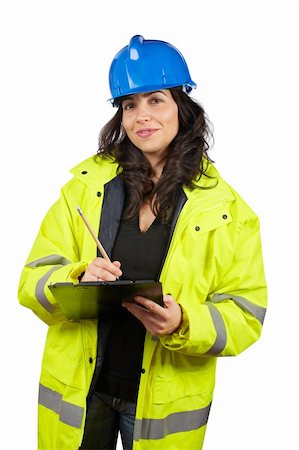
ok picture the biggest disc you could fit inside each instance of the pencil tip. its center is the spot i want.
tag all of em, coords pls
(79, 210)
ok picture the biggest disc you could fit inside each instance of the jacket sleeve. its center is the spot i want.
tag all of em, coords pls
(231, 318)
(53, 257)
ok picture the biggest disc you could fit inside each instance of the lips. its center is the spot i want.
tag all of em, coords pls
(145, 132)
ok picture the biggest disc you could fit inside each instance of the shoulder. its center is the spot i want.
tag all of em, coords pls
(213, 189)
(95, 167)
(92, 172)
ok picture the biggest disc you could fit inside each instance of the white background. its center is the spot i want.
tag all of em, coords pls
(244, 58)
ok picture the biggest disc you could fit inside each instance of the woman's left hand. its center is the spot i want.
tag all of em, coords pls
(156, 319)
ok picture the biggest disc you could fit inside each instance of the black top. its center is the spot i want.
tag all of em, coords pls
(141, 255)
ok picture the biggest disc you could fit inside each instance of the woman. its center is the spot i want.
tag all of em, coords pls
(163, 212)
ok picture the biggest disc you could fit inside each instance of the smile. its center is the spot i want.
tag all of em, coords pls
(145, 133)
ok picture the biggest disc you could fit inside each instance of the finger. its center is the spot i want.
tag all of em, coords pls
(151, 322)
(117, 263)
(151, 306)
(168, 300)
(105, 275)
(113, 268)
(89, 277)
(141, 313)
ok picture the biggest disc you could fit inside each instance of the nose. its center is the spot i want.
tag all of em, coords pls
(143, 113)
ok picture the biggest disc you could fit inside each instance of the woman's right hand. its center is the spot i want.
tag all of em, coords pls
(101, 270)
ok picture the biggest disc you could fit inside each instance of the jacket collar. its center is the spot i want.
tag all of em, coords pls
(96, 172)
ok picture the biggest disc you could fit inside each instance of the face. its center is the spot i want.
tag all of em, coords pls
(151, 122)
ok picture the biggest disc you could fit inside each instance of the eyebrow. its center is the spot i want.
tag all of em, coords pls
(144, 94)
(147, 94)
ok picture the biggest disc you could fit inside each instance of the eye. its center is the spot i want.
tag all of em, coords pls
(128, 106)
(156, 100)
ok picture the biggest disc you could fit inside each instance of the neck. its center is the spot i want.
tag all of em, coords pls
(157, 167)
(157, 161)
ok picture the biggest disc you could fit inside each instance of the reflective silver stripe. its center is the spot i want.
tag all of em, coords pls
(50, 260)
(40, 290)
(174, 423)
(68, 413)
(219, 325)
(257, 311)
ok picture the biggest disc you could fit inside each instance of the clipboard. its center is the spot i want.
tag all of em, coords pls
(102, 299)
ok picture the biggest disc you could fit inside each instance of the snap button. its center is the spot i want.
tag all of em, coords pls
(99, 194)
(197, 228)
(90, 360)
(142, 370)
(224, 216)
(84, 172)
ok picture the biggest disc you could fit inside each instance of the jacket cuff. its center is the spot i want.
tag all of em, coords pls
(180, 337)
(78, 271)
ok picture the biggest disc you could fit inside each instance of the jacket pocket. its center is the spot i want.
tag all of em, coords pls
(211, 220)
(183, 377)
(64, 369)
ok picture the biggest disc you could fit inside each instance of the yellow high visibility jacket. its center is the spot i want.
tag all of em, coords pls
(214, 270)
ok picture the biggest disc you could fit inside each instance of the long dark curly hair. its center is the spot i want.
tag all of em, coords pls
(186, 162)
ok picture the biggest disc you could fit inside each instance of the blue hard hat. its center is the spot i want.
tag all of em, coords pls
(148, 65)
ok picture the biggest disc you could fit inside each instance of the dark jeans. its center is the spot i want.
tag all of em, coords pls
(106, 416)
